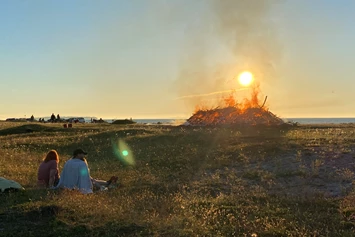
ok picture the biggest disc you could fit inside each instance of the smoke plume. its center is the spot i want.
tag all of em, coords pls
(242, 35)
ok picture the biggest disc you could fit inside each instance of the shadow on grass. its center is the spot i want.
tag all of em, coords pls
(38, 129)
(30, 128)
(247, 130)
(46, 221)
(22, 215)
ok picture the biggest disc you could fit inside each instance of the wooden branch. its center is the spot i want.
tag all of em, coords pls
(264, 102)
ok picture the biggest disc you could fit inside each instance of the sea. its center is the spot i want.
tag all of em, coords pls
(293, 120)
(320, 120)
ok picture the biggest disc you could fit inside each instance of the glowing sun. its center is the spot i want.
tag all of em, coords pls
(245, 78)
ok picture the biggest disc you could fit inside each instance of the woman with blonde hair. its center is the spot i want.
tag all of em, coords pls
(48, 172)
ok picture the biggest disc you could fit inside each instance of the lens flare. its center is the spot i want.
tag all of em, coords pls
(123, 152)
(83, 172)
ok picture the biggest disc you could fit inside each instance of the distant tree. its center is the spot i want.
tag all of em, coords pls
(32, 118)
(52, 117)
(58, 117)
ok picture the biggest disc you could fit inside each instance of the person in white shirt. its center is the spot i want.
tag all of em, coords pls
(76, 175)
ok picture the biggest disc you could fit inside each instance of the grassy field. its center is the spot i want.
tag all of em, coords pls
(185, 181)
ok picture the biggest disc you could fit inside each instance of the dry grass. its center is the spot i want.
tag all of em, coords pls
(186, 182)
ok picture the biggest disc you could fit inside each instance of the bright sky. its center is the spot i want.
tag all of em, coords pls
(127, 58)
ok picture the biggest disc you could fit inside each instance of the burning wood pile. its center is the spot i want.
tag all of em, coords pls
(247, 113)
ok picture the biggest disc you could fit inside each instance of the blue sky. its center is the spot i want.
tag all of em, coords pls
(133, 58)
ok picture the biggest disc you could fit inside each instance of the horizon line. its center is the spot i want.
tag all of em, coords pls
(176, 118)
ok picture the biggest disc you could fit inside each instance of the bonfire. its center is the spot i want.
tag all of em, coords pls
(249, 112)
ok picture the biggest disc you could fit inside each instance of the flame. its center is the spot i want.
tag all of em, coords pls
(249, 111)
(253, 102)
(230, 101)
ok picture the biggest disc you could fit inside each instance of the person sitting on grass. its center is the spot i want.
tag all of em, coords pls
(76, 175)
(48, 172)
